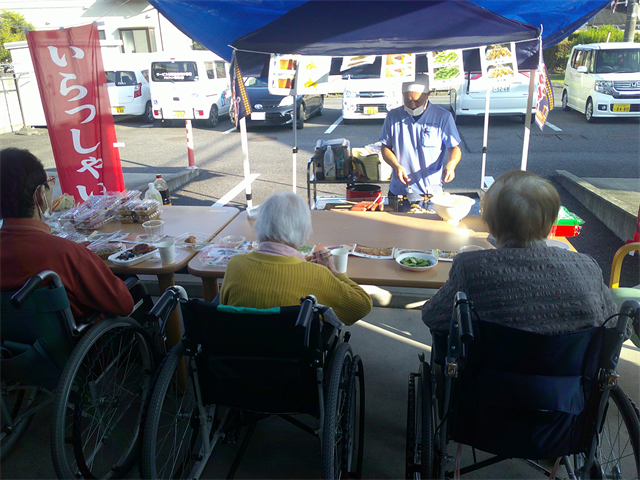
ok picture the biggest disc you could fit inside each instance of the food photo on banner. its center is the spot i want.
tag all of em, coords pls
(72, 82)
(545, 100)
(240, 99)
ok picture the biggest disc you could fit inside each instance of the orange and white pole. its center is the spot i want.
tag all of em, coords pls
(192, 161)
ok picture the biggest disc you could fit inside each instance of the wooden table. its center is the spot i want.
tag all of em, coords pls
(177, 220)
(373, 229)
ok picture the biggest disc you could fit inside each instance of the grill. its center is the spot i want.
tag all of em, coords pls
(371, 94)
(627, 85)
(381, 107)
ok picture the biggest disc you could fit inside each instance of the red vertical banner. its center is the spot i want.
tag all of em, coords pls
(72, 82)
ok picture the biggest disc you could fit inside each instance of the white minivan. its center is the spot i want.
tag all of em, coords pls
(192, 85)
(603, 80)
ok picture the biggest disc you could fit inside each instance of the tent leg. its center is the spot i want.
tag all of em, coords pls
(485, 136)
(245, 160)
(527, 120)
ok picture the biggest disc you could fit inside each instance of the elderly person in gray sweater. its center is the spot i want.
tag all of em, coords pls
(524, 283)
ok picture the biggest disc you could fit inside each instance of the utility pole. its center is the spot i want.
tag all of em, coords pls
(632, 15)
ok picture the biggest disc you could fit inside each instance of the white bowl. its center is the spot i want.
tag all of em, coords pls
(426, 256)
(452, 208)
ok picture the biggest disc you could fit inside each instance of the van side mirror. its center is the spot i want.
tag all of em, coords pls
(582, 69)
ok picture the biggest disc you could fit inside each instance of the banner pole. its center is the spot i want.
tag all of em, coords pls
(190, 154)
(245, 160)
(294, 92)
(527, 121)
(485, 135)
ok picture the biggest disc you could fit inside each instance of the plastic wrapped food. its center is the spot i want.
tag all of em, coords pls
(146, 207)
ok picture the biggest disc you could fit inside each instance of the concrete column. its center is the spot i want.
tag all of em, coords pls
(632, 16)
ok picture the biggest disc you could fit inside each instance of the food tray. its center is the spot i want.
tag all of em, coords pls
(133, 261)
(373, 252)
(201, 240)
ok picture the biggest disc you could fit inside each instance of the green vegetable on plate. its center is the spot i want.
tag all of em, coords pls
(415, 262)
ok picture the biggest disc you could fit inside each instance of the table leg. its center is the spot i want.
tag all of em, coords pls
(209, 288)
(174, 332)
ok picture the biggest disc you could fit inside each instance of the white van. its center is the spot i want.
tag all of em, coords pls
(128, 84)
(192, 85)
(603, 80)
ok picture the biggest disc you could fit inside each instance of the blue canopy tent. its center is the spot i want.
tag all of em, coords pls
(217, 23)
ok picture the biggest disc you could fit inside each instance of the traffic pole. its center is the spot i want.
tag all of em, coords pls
(192, 160)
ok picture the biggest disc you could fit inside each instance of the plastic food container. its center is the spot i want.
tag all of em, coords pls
(132, 261)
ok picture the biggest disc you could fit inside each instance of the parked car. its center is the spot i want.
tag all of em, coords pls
(368, 96)
(269, 110)
(603, 80)
(129, 93)
(506, 98)
(190, 85)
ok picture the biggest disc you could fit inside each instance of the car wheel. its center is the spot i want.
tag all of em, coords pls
(301, 113)
(565, 101)
(147, 116)
(321, 108)
(166, 123)
(588, 111)
(213, 119)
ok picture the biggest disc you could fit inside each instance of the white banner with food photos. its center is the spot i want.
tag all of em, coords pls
(445, 69)
(313, 74)
(401, 66)
(499, 65)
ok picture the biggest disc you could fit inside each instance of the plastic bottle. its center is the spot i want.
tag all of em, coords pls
(329, 164)
(340, 167)
(153, 194)
(163, 188)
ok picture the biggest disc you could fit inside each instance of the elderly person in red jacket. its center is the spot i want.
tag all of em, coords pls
(27, 246)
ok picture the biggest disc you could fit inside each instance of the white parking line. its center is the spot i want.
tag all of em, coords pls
(230, 195)
(232, 129)
(333, 127)
(553, 127)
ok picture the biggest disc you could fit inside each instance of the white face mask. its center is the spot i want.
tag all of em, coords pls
(416, 111)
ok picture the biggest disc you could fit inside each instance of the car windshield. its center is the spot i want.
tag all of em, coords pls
(174, 71)
(618, 61)
(121, 78)
(256, 82)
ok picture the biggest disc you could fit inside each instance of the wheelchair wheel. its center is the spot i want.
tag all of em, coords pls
(420, 441)
(97, 413)
(172, 435)
(16, 401)
(342, 437)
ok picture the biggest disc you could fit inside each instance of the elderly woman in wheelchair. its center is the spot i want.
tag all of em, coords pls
(57, 344)
(532, 374)
(278, 274)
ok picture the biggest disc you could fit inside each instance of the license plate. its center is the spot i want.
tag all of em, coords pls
(505, 88)
(621, 108)
(177, 114)
(117, 109)
(370, 110)
(258, 116)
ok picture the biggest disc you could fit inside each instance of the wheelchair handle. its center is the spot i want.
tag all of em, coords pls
(32, 285)
(167, 302)
(463, 314)
(630, 309)
(306, 315)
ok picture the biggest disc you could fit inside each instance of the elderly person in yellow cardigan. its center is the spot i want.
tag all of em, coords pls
(276, 274)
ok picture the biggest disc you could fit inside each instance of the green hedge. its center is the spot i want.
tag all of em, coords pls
(555, 58)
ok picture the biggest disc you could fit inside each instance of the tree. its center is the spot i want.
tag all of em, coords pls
(12, 26)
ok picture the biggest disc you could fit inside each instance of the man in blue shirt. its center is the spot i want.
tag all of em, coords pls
(420, 142)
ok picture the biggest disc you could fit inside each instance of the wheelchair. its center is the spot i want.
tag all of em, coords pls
(237, 366)
(516, 394)
(96, 373)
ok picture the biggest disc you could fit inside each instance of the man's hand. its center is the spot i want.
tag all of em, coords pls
(448, 174)
(401, 173)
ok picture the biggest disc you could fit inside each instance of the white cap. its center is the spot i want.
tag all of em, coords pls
(420, 84)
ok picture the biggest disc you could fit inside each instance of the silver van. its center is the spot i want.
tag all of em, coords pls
(603, 80)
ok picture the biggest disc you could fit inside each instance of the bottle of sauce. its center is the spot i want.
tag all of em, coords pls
(163, 188)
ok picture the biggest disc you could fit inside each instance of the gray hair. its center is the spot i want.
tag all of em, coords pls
(520, 208)
(284, 218)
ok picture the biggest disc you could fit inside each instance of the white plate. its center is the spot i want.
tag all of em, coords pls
(201, 240)
(552, 242)
(133, 261)
(431, 258)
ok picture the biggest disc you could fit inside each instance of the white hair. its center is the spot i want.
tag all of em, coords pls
(284, 218)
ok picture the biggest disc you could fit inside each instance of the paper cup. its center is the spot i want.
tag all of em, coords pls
(340, 257)
(167, 251)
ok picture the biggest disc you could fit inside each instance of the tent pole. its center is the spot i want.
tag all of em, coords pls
(485, 136)
(527, 120)
(294, 92)
(245, 160)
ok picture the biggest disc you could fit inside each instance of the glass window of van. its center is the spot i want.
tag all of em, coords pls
(121, 78)
(618, 61)
(221, 72)
(209, 68)
(174, 71)
(579, 59)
